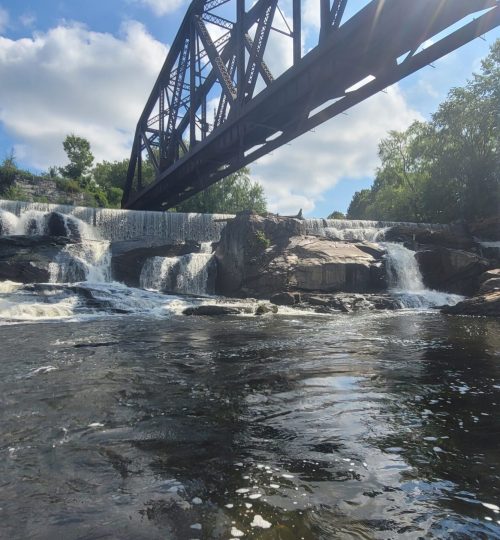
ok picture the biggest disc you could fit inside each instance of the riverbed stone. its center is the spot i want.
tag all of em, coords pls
(451, 270)
(263, 309)
(26, 259)
(483, 305)
(283, 299)
(211, 310)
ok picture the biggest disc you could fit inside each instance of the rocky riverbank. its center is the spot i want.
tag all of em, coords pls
(278, 260)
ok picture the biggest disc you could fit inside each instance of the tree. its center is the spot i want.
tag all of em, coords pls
(80, 158)
(445, 169)
(336, 215)
(8, 172)
(111, 174)
(235, 193)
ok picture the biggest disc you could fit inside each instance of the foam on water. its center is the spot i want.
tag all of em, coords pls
(36, 311)
(406, 282)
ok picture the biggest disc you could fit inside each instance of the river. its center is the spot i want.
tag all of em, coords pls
(141, 423)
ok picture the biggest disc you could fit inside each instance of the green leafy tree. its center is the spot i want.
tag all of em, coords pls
(336, 215)
(445, 169)
(8, 172)
(111, 174)
(236, 193)
(80, 158)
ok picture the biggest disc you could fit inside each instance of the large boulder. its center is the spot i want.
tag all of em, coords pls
(484, 304)
(263, 255)
(27, 259)
(451, 270)
(128, 256)
(490, 281)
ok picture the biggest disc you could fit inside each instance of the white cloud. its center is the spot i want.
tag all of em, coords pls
(297, 175)
(162, 7)
(4, 19)
(73, 80)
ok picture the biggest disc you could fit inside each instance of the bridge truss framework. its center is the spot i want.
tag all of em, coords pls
(217, 105)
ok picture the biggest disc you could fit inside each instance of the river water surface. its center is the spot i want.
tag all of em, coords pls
(123, 419)
(281, 427)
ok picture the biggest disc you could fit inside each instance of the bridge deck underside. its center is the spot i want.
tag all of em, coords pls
(369, 44)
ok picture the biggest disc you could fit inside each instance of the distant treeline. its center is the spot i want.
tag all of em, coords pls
(446, 169)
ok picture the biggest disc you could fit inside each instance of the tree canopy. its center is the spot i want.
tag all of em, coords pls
(80, 158)
(444, 169)
(235, 193)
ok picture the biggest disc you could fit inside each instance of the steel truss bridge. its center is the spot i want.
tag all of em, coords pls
(219, 103)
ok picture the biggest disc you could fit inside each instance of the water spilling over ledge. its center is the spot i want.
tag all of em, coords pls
(115, 225)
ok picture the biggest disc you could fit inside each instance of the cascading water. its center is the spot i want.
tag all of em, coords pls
(406, 282)
(354, 230)
(187, 274)
(116, 225)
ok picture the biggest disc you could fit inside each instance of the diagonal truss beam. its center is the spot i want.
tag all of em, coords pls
(382, 40)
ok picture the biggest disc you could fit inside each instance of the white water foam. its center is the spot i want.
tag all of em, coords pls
(406, 282)
(355, 230)
(8, 222)
(114, 224)
(186, 274)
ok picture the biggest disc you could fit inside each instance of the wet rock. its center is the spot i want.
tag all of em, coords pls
(263, 256)
(128, 256)
(263, 309)
(329, 303)
(26, 259)
(57, 224)
(454, 236)
(451, 270)
(490, 281)
(212, 311)
(484, 305)
(285, 299)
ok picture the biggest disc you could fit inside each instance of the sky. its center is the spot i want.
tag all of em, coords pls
(87, 68)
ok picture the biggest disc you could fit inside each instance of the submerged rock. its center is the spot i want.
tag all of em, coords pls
(285, 299)
(346, 303)
(263, 309)
(212, 311)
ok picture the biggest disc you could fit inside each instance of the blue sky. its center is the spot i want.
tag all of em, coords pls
(88, 67)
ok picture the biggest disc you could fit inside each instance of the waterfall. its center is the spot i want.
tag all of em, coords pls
(355, 230)
(406, 282)
(187, 274)
(9, 222)
(114, 224)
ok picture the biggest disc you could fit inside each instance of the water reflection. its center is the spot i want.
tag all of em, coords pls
(373, 426)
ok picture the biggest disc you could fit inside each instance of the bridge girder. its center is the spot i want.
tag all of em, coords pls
(221, 57)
